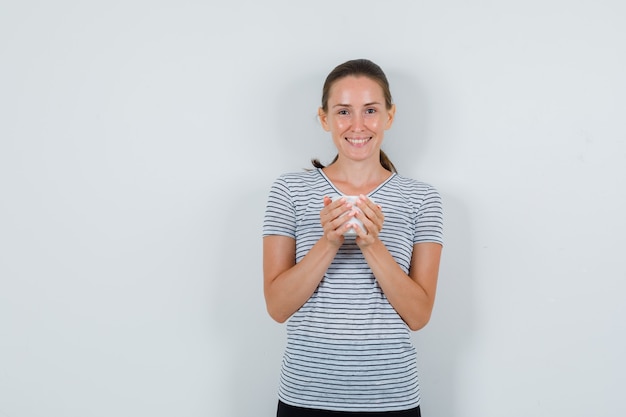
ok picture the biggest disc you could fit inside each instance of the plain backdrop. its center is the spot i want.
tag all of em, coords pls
(139, 139)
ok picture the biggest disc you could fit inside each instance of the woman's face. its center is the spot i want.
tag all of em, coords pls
(357, 117)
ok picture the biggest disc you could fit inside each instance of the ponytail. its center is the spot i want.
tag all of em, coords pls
(386, 163)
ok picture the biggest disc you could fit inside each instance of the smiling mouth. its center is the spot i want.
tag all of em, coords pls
(358, 141)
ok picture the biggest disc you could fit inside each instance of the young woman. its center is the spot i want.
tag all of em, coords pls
(351, 293)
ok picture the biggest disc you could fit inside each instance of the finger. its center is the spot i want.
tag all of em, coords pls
(376, 214)
(372, 224)
(336, 224)
(330, 212)
(340, 207)
(372, 212)
(366, 203)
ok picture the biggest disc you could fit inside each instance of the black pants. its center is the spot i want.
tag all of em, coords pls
(285, 410)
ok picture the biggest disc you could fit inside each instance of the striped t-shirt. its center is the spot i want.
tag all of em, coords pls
(347, 348)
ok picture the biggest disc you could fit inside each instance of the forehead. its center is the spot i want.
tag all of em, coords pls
(354, 88)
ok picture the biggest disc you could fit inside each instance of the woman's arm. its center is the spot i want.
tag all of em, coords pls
(287, 285)
(412, 295)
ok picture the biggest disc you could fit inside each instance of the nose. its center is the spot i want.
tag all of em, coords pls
(358, 122)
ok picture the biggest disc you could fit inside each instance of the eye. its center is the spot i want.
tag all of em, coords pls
(342, 112)
(370, 112)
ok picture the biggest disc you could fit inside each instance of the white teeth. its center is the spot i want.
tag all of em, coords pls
(357, 141)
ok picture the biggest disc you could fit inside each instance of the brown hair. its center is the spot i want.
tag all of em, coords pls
(358, 67)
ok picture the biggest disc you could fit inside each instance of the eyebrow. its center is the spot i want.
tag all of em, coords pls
(349, 105)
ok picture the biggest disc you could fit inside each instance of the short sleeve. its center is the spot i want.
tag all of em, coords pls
(429, 219)
(280, 218)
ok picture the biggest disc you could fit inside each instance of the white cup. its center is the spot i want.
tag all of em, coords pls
(352, 199)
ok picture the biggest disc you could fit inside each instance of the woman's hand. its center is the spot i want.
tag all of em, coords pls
(332, 220)
(372, 217)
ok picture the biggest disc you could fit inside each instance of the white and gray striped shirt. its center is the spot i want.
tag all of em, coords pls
(347, 348)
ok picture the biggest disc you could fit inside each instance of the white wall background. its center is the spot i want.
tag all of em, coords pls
(138, 140)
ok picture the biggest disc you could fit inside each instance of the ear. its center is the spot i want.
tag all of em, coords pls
(391, 113)
(321, 114)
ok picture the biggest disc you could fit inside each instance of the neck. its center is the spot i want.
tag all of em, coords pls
(356, 177)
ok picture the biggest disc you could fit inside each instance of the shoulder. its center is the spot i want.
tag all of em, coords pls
(306, 175)
(412, 188)
(296, 181)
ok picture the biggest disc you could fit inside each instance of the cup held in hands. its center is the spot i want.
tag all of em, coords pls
(352, 199)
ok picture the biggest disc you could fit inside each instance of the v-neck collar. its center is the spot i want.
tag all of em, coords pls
(378, 187)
